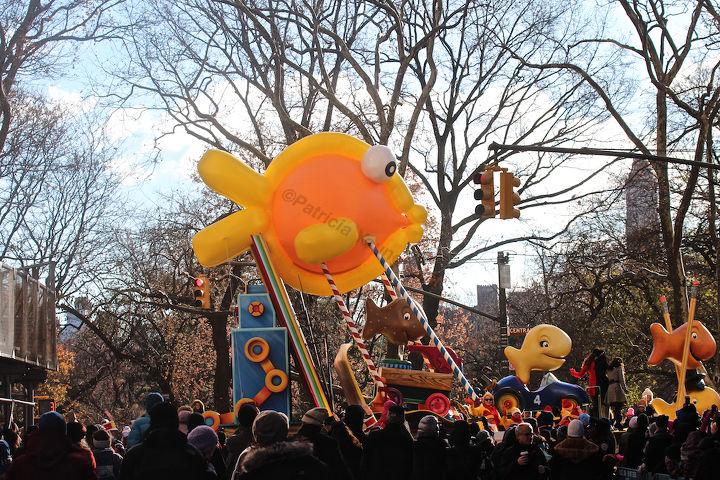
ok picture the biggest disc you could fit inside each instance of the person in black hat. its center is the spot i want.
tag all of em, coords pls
(389, 452)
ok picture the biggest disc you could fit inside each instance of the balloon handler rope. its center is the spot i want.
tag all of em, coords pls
(356, 335)
(433, 337)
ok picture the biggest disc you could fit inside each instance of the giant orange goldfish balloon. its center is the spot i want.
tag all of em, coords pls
(314, 203)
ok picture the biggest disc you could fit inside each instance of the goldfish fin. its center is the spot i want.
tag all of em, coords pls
(521, 371)
(324, 241)
(660, 340)
(232, 179)
(372, 326)
(226, 238)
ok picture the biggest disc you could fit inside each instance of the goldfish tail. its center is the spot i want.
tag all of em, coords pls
(659, 336)
(371, 327)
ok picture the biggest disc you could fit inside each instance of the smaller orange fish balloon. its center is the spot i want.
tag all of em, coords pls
(669, 346)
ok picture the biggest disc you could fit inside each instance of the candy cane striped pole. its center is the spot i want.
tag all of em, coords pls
(353, 329)
(433, 337)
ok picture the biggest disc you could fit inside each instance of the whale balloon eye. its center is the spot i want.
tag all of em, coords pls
(378, 163)
(406, 316)
(694, 335)
(544, 344)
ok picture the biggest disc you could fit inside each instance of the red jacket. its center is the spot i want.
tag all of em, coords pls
(588, 369)
(51, 455)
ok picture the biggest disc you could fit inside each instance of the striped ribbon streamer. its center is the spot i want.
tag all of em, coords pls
(285, 313)
(433, 337)
(354, 331)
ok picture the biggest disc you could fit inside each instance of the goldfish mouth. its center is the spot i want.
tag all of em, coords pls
(554, 357)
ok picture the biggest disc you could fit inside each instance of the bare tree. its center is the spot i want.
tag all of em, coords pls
(671, 44)
(431, 80)
(57, 192)
(35, 37)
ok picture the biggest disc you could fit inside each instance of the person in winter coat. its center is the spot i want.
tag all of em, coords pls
(615, 396)
(141, 425)
(271, 455)
(632, 442)
(687, 420)
(5, 458)
(241, 437)
(428, 451)
(107, 461)
(50, 454)
(464, 460)
(164, 452)
(576, 457)
(522, 460)
(325, 448)
(350, 447)
(289, 460)
(657, 444)
(205, 440)
(389, 451)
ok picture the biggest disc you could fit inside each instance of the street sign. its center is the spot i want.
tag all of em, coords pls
(518, 331)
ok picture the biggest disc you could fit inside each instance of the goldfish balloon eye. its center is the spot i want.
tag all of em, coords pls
(378, 163)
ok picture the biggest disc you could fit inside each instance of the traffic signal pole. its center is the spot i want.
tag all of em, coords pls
(502, 259)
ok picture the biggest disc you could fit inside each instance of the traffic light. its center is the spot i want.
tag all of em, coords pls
(508, 197)
(202, 292)
(486, 194)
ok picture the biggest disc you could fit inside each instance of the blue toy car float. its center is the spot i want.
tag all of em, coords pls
(510, 393)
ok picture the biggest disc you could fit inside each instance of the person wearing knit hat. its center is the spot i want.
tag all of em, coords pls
(107, 460)
(141, 424)
(49, 453)
(52, 421)
(584, 418)
(429, 451)
(204, 439)
(270, 427)
(163, 449)
(325, 447)
(576, 429)
(576, 457)
(515, 418)
(315, 416)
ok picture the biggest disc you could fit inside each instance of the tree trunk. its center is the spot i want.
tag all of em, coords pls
(221, 382)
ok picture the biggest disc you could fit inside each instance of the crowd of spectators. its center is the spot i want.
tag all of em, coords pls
(169, 442)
